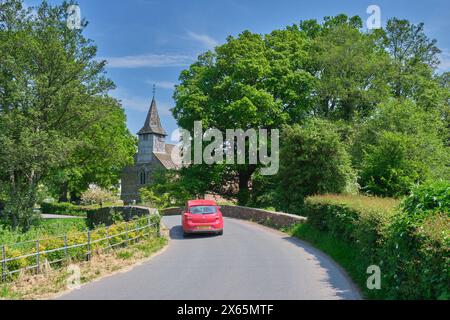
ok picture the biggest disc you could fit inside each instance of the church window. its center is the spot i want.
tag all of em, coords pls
(142, 177)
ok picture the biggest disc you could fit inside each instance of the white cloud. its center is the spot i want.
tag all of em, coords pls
(445, 61)
(149, 61)
(204, 39)
(162, 84)
(140, 104)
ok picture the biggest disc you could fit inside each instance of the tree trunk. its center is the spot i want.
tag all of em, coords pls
(75, 197)
(244, 179)
(21, 200)
(63, 190)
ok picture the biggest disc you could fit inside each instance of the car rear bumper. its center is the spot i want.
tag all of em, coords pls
(205, 227)
(203, 231)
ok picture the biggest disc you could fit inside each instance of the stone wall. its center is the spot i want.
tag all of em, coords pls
(130, 179)
(105, 215)
(264, 217)
(171, 211)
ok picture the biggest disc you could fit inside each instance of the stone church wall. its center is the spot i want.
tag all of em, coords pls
(130, 180)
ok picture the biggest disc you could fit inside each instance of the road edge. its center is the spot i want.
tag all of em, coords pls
(316, 250)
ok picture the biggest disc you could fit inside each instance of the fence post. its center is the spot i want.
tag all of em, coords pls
(38, 258)
(158, 228)
(126, 231)
(107, 237)
(66, 253)
(3, 263)
(89, 245)
(149, 225)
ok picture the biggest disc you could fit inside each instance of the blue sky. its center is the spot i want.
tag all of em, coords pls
(150, 41)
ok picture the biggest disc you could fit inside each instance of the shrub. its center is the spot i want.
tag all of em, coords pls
(314, 161)
(97, 195)
(63, 208)
(357, 219)
(387, 167)
(409, 241)
(417, 254)
(150, 198)
(399, 146)
(432, 195)
(50, 241)
(416, 257)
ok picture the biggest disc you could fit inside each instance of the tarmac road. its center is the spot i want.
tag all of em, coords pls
(248, 262)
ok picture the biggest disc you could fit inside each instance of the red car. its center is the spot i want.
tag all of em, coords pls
(202, 216)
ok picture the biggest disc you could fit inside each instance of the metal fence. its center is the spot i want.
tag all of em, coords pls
(37, 255)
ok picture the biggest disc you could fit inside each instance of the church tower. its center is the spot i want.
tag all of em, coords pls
(152, 136)
(153, 154)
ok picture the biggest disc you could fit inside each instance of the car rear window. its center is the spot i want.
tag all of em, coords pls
(202, 210)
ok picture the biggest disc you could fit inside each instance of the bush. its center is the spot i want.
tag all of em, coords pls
(432, 195)
(63, 208)
(50, 239)
(387, 168)
(97, 195)
(399, 146)
(149, 197)
(417, 256)
(314, 161)
(410, 241)
(356, 219)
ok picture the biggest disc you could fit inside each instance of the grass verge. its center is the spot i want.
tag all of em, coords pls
(54, 282)
(346, 255)
(44, 228)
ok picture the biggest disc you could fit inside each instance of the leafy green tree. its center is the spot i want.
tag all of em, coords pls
(349, 66)
(252, 81)
(183, 185)
(51, 91)
(415, 58)
(414, 54)
(104, 149)
(314, 161)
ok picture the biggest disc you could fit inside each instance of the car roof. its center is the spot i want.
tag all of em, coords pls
(192, 203)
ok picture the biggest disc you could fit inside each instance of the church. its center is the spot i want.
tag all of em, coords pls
(153, 154)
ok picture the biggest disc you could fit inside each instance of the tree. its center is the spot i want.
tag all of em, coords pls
(315, 161)
(52, 90)
(350, 68)
(252, 81)
(104, 149)
(414, 59)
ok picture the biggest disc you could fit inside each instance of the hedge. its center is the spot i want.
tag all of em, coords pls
(63, 208)
(413, 253)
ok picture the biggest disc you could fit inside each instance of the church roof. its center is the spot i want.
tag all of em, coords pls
(152, 123)
(166, 158)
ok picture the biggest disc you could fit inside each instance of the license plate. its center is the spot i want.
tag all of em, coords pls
(203, 227)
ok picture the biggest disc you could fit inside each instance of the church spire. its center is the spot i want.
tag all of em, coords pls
(152, 122)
